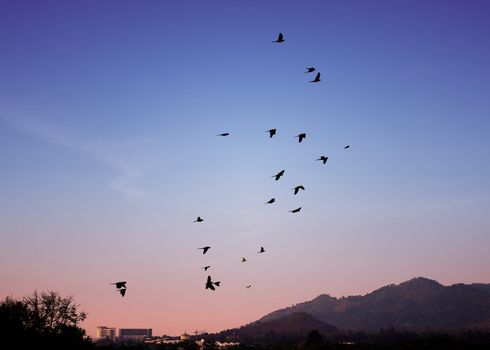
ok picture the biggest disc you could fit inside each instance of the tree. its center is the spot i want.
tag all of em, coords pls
(43, 319)
(49, 313)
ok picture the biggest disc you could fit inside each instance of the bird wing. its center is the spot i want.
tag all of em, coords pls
(280, 37)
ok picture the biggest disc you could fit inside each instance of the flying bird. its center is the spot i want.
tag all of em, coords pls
(262, 250)
(280, 38)
(209, 283)
(295, 210)
(270, 201)
(205, 249)
(122, 291)
(323, 159)
(346, 146)
(278, 175)
(243, 259)
(120, 284)
(317, 79)
(310, 69)
(199, 219)
(224, 134)
(248, 286)
(301, 137)
(297, 188)
(205, 267)
(271, 132)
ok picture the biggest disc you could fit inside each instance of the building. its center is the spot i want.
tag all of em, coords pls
(104, 332)
(134, 333)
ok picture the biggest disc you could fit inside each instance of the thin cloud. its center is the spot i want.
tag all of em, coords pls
(126, 173)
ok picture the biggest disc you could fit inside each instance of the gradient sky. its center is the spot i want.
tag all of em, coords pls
(108, 117)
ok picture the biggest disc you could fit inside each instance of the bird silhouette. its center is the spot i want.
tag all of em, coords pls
(271, 132)
(224, 134)
(310, 69)
(301, 137)
(205, 267)
(317, 79)
(295, 210)
(205, 249)
(323, 159)
(346, 146)
(297, 188)
(199, 219)
(243, 259)
(280, 38)
(278, 175)
(248, 286)
(270, 201)
(262, 250)
(120, 284)
(122, 291)
(209, 284)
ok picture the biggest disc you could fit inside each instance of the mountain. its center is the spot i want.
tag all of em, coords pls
(294, 324)
(418, 304)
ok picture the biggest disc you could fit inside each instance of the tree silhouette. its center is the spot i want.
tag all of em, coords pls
(314, 338)
(45, 320)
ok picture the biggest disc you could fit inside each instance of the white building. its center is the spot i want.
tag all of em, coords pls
(104, 332)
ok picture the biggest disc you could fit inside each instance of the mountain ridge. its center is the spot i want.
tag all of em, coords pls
(417, 304)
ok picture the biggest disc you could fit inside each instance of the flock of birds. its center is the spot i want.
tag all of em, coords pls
(210, 284)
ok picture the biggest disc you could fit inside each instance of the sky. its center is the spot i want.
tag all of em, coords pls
(109, 112)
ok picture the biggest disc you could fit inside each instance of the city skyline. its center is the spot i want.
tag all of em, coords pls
(109, 116)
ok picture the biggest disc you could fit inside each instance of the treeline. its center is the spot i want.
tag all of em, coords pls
(43, 320)
(383, 339)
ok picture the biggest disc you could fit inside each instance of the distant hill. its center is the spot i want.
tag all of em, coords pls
(418, 304)
(294, 324)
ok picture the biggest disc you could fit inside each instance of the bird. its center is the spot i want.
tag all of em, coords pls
(270, 201)
(248, 286)
(280, 38)
(323, 159)
(205, 267)
(262, 250)
(301, 137)
(224, 134)
(120, 284)
(317, 79)
(346, 146)
(297, 188)
(122, 291)
(310, 69)
(243, 259)
(278, 175)
(295, 210)
(209, 283)
(271, 132)
(199, 219)
(205, 249)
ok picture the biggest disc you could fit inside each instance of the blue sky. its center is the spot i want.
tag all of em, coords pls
(108, 119)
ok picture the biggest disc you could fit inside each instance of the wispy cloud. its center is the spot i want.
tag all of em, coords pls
(126, 173)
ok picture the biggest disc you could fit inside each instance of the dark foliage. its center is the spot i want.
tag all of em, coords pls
(42, 320)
